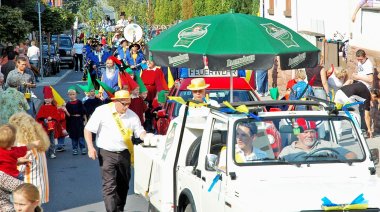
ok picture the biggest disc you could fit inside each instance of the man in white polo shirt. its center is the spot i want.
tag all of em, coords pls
(33, 54)
(114, 125)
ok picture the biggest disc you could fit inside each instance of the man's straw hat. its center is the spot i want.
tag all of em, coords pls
(197, 84)
(122, 94)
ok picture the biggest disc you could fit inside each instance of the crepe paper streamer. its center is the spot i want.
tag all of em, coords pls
(214, 181)
(345, 109)
(58, 98)
(359, 203)
(177, 99)
(242, 109)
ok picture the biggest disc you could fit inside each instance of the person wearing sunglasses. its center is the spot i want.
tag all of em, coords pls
(114, 124)
(200, 99)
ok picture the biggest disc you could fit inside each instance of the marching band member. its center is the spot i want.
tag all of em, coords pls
(123, 50)
(121, 23)
(135, 58)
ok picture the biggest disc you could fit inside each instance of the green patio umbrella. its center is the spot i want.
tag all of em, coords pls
(232, 41)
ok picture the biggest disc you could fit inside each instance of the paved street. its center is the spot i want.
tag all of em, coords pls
(75, 181)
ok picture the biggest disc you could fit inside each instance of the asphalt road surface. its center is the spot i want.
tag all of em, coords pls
(75, 181)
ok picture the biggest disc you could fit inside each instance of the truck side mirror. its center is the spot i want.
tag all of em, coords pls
(375, 155)
(162, 114)
(211, 161)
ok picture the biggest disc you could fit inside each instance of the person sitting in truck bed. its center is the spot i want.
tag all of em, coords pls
(244, 149)
(308, 144)
(198, 88)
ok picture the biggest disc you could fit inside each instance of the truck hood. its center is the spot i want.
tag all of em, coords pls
(296, 194)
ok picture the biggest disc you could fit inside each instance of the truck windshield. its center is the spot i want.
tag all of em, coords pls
(297, 140)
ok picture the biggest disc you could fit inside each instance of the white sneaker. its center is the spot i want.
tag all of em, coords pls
(52, 156)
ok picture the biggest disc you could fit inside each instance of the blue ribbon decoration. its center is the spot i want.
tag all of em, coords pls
(345, 109)
(251, 115)
(214, 181)
(358, 200)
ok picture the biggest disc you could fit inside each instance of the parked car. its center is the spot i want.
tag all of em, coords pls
(65, 47)
(51, 60)
(219, 90)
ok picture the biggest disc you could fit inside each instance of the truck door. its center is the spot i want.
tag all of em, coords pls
(212, 143)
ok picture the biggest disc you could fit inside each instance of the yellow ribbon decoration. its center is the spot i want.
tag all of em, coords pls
(240, 109)
(126, 133)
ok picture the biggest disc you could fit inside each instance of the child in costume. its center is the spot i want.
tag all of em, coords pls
(92, 100)
(75, 118)
(9, 154)
(49, 117)
(137, 103)
(158, 104)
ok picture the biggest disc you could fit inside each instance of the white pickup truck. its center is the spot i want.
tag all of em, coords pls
(178, 172)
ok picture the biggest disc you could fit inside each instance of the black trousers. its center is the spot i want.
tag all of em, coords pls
(78, 60)
(116, 173)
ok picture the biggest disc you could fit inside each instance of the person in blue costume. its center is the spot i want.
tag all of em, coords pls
(135, 58)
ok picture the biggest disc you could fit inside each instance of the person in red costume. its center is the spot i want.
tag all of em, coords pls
(49, 116)
(154, 80)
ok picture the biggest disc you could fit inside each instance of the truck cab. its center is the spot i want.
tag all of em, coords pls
(201, 164)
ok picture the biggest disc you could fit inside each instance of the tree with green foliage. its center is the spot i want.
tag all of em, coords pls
(187, 9)
(72, 5)
(13, 28)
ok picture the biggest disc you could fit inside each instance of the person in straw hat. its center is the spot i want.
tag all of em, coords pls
(115, 124)
(198, 89)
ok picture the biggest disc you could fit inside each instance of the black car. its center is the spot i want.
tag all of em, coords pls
(51, 60)
(65, 47)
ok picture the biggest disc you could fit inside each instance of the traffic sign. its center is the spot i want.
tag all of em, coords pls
(42, 8)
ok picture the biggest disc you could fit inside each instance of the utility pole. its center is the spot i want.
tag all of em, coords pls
(40, 32)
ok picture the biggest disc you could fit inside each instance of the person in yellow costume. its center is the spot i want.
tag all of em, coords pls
(198, 89)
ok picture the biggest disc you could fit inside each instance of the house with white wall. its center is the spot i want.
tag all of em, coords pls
(318, 19)
(328, 17)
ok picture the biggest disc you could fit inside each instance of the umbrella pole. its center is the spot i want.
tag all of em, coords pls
(231, 87)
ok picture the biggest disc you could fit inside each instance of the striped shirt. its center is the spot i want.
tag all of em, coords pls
(36, 173)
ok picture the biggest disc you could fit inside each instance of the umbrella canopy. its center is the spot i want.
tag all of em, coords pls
(232, 41)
